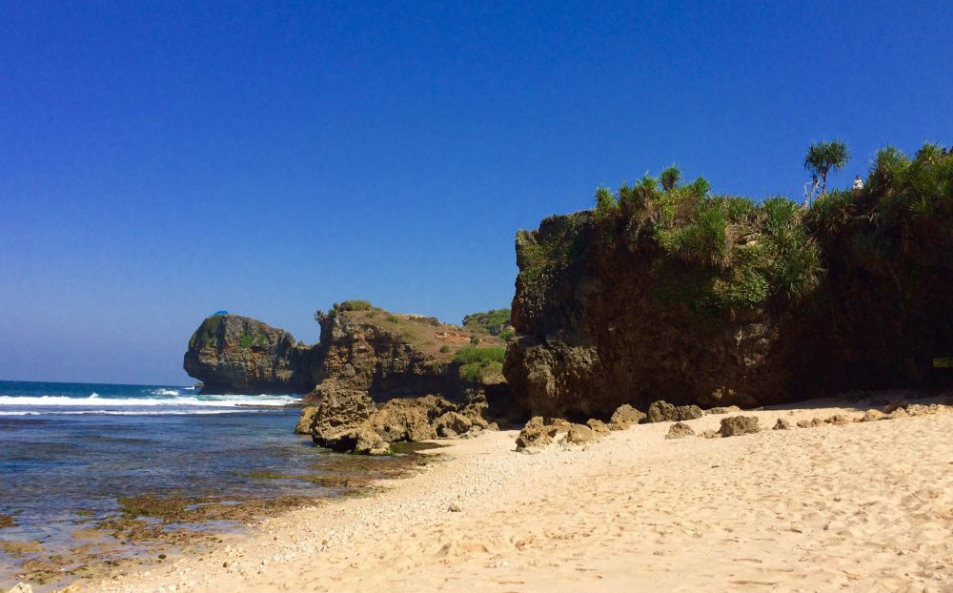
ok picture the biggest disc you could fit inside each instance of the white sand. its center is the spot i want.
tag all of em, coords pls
(863, 507)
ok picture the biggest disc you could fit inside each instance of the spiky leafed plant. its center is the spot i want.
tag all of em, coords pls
(670, 177)
(821, 159)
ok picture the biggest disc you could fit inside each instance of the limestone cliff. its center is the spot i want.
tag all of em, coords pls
(668, 292)
(595, 335)
(392, 355)
(234, 354)
(386, 377)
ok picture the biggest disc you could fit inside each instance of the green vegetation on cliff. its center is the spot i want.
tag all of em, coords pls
(205, 334)
(668, 290)
(718, 253)
(480, 364)
(495, 322)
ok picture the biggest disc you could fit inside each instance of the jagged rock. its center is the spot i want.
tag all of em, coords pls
(412, 419)
(598, 426)
(898, 413)
(21, 588)
(580, 434)
(234, 354)
(679, 431)
(306, 420)
(339, 416)
(453, 421)
(369, 442)
(723, 410)
(839, 420)
(662, 411)
(922, 410)
(739, 425)
(873, 416)
(782, 424)
(538, 433)
(624, 417)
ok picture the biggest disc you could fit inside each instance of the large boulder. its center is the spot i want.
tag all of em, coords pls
(340, 416)
(306, 420)
(624, 417)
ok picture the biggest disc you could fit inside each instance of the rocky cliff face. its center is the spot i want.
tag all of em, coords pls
(390, 355)
(667, 292)
(595, 335)
(384, 377)
(234, 354)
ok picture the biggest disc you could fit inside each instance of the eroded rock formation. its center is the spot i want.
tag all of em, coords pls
(234, 354)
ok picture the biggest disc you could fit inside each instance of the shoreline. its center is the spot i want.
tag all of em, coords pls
(866, 506)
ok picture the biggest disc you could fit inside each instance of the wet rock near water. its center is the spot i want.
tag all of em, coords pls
(348, 420)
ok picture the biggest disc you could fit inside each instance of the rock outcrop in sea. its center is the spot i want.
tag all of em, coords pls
(375, 377)
(234, 354)
(385, 377)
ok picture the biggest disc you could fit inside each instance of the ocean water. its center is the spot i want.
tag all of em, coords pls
(68, 451)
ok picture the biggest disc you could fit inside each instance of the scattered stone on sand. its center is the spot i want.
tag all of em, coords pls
(580, 434)
(782, 424)
(662, 411)
(898, 413)
(709, 434)
(873, 416)
(539, 433)
(624, 417)
(21, 588)
(680, 431)
(598, 426)
(734, 426)
(306, 421)
(839, 420)
(723, 410)
(455, 508)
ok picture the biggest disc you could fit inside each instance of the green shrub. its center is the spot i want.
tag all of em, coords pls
(493, 321)
(445, 349)
(605, 202)
(470, 354)
(670, 177)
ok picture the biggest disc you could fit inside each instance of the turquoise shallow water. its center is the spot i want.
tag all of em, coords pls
(68, 451)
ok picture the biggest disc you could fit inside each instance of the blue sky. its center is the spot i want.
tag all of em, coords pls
(163, 160)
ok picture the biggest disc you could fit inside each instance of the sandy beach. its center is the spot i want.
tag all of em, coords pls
(859, 507)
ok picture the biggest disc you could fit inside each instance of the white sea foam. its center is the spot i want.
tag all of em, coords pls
(207, 401)
(167, 392)
(134, 412)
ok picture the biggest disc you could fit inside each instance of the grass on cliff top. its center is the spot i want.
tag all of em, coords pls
(718, 254)
(205, 334)
(440, 341)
